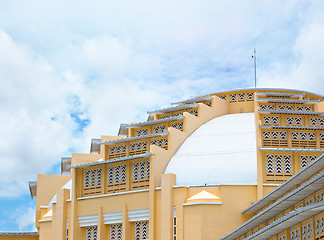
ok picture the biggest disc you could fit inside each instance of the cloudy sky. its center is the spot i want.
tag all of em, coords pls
(74, 70)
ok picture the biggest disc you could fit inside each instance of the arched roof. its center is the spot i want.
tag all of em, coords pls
(221, 151)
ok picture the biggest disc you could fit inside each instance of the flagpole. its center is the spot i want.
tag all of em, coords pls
(254, 67)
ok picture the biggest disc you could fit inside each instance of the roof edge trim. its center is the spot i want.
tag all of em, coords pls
(147, 154)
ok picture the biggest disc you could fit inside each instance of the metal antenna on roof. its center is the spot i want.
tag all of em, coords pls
(254, 57)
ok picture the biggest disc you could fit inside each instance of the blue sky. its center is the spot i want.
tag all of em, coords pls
(74, 70)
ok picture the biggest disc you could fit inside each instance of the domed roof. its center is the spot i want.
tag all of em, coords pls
(221, 151)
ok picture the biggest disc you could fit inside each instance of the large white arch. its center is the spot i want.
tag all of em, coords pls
(221, 151)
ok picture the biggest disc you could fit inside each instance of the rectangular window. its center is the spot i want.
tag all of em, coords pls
(321, 121)
(274, 139)
(319, 197)
(141, 230)
(92, 181)
(309, 202)
(162, 142)
(303, 140)
(141, 175)
(115, 232)
(194, 112)
(92, 233)
(67, 229)
(177, 114)
(249, 96)
(298, 121)
(233, 97)
(139, 147)
(290, 108)
(319, 226)
(295, 234)
(116, 178)
(209, 104)
(118, 151)
(307, 231)
(174, 224)
(263, 107)
(313, 121)
(300, 108)
(178, 125)
(278, 167)
(241, 96)
(275, 119)
(266, 119)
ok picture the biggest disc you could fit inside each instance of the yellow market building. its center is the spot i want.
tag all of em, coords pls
(240, 164)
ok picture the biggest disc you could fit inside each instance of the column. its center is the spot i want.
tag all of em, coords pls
(167, 182)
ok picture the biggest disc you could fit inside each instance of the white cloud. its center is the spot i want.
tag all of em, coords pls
(304, 70)
(31, 94)
(24, 217)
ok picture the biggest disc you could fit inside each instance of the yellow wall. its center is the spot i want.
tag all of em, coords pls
(47, 186)
(19, 237)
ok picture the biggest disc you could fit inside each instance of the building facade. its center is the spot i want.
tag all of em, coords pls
(240, 164)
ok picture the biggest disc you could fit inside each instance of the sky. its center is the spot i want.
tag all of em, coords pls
(74, 70)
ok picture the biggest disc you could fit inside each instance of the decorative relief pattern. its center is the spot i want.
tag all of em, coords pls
(117, 151)
(275, 139)
(287, 164)
(241, 96)
(162, 142)
(137, 148)
(233, 97)
(319, 226)
(116, 178)
(303, 139)
(178, 114)
(178, 125)
(249, 96)
(92, 181)
(295, 234)
(165, 116)
(278, 163)
(275, 119)
(313, 121)
(209, 104)
(86, 178)
(266, 119)
(319, 197)
(307, 231)
(270, 163)
(290, 108)
(92, 233)
(141, 170)
(141, 132)
(300, 108)
(116, 232)
(194, 112)
(141, 230)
